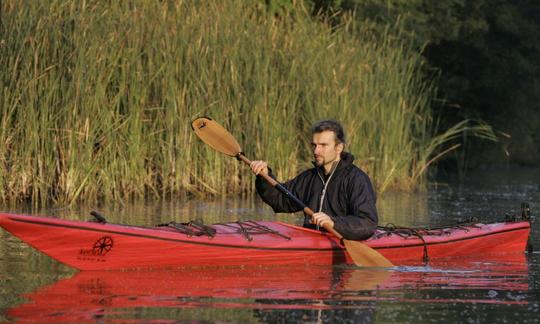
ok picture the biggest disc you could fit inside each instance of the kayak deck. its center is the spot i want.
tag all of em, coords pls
(97, 246)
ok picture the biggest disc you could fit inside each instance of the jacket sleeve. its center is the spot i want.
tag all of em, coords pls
(279, 202)
(361, 221)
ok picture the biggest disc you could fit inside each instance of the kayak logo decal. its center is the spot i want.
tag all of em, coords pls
(98, 251)
(103, 245)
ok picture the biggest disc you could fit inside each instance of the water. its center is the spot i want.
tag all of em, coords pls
(35, 288)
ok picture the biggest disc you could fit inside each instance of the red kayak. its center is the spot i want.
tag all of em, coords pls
(102, 246)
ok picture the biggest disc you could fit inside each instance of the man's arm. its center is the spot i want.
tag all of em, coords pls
(361, 221)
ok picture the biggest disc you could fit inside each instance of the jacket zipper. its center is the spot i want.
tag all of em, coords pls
(325, 185)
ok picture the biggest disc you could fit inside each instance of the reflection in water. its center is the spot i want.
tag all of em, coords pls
(403, 209)
(271, 294)
(35, 288)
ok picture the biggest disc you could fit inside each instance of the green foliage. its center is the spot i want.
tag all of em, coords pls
(487, 54)
(97, 97)
(424, 21)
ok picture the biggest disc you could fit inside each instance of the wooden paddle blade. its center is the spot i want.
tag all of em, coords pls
(365, 256)
(215, 136)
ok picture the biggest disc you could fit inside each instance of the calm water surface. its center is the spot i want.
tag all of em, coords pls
(34, 288)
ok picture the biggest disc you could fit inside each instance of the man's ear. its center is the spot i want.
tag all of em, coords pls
(340, 147)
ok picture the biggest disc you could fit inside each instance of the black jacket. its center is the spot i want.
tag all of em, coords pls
(349, 199)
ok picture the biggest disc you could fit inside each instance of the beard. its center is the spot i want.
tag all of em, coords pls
(318, 161)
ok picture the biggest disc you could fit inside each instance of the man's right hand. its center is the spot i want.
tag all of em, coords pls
(259, 167)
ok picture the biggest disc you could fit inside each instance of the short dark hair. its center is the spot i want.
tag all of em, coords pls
(329, 125)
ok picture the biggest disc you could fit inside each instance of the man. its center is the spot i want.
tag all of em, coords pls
(338, 191)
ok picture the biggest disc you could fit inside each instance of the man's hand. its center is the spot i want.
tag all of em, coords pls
(320, 219)
(259, 167)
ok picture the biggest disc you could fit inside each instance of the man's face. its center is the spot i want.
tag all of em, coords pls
(325, 148)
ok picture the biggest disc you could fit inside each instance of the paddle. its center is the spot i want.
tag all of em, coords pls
(221, 140)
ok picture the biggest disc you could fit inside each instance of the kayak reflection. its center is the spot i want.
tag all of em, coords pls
(269, 293)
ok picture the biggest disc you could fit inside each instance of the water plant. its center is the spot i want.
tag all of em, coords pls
(97, 98)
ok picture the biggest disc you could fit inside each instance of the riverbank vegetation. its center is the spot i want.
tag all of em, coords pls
(97, 98)
(487, 54)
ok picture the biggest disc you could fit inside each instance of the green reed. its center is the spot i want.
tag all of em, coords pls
(97, 98)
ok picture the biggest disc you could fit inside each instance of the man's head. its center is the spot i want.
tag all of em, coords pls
(328, 141)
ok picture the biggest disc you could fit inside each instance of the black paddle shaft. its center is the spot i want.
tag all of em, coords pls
(280, 187)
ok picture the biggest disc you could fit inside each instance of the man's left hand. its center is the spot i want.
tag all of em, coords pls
(320, 219)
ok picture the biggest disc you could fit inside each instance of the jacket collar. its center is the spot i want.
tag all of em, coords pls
(346, 159)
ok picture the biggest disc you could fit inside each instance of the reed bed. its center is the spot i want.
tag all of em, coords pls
(97, 98)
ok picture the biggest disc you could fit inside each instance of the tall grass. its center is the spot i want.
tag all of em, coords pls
(97, 96)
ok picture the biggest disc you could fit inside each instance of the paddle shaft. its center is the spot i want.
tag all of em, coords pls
(289, 194)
